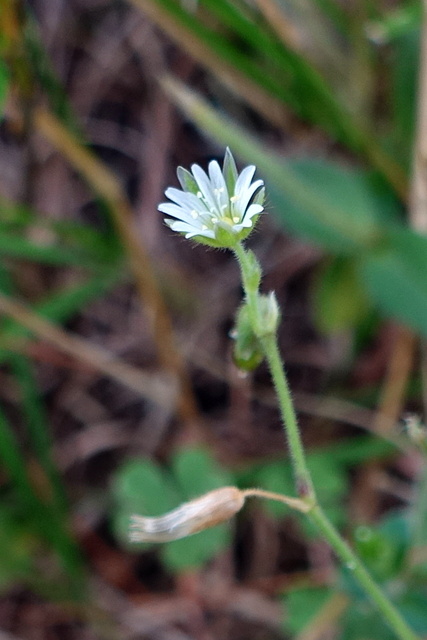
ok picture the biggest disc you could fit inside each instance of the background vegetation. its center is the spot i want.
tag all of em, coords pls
(118, 390)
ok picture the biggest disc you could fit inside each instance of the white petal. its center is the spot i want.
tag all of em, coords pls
(253, 210)
(205, 188)
(182, 227)
(207, 233)
(245, 198)
(177, 212)
(189, 230)
(184, 199)
(219, 185)
(241, 226)
(244, 180)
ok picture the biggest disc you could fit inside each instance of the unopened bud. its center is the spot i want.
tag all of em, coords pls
(269, 313)
(247, 353)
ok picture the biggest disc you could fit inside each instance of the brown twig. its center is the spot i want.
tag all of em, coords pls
(271, 108)
(105, 183)
(158, 389)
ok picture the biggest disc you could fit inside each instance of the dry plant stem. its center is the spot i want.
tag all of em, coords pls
(105, 183)
(293, 503)
(393, 390)
(271, 108)
(418, 193)
(151, 387)
(278, 20)
(302, 474)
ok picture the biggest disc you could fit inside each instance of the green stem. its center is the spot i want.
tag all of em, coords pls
(251, 292)
(304, 484)
(355, 566)
(302, 475)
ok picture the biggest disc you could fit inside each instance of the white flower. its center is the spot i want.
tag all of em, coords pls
(219, 209)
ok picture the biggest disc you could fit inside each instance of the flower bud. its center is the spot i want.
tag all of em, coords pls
(247, 352)
(268, 313)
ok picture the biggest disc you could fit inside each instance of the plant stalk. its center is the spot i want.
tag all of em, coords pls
(304, 484)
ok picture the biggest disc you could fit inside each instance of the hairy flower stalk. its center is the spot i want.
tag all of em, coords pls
(220, 208)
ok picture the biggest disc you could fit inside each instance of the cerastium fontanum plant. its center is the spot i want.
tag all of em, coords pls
(220, 209)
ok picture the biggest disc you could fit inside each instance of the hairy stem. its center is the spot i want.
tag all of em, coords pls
(303, 481)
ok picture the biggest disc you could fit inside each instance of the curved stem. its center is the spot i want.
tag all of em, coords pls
(304, 484)
(293, 503)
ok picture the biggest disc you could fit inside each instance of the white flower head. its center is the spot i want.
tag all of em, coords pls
(219, 208)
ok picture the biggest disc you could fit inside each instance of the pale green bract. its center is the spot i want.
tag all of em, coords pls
(219, 208)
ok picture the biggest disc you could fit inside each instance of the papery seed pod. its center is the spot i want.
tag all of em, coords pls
(189, 518)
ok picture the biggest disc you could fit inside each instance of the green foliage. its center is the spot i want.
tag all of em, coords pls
(60, 244)
(329, 467)
(339, 301)
(145, 488)
(302, 605)
(384, 549)
(16, 549)
(338, 208)
(394, 275)
(4, 85)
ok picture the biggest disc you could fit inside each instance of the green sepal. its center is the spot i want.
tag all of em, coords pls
(229, 171)
(254, 273)
(187, 181)
(247, 352)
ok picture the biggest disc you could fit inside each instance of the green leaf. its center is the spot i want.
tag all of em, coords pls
(335, 207)
(15, 246)
(362, 622)
(16, 549)
(339, 301)
(197, 472)
(413, 608)
(378, 551)
(302, 605)
(37, 426)
(404, 75)
(395, 276)
(143, 486)
(140, 487)
(196, 550)
(4, 85)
